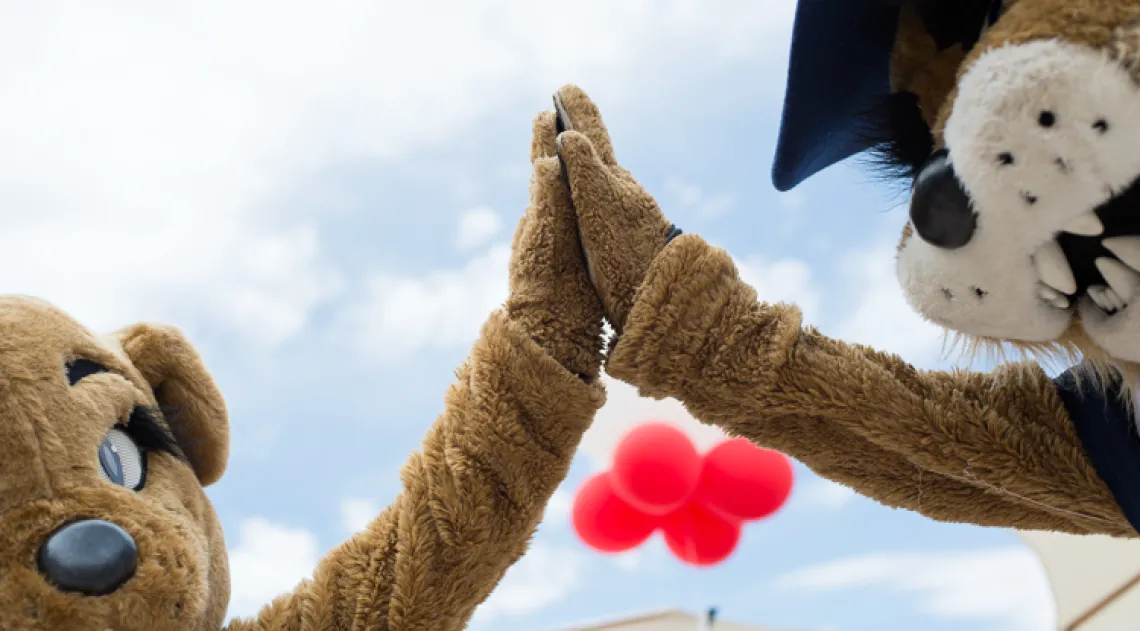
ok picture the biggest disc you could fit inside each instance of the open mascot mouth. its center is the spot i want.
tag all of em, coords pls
(1027, 220)
(1105, 267)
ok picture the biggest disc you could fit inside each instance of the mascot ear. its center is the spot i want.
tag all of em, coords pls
(190, 401)
(839, 65)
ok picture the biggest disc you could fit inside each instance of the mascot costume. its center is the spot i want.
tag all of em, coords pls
(1017, 126)
(106, 444)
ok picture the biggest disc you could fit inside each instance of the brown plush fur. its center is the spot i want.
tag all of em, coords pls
(471, 500)
(993, 449)
(598, 184)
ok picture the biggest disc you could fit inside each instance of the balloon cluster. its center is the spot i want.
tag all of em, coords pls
(660, 482)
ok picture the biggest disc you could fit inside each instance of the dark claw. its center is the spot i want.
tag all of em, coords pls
(561, 124)
(561, 162)
(562, 121)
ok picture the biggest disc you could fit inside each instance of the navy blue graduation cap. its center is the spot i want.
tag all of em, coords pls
(839, 66)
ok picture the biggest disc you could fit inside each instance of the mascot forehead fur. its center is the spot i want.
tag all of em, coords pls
(1016, 124)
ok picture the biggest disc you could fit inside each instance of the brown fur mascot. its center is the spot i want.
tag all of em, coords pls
(1018, 128)
(106, 444)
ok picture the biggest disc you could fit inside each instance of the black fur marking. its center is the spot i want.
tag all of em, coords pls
(1101, 125)
(956, 22)
(145, 426)
(894, 129)
(79, 369)
(899, 139)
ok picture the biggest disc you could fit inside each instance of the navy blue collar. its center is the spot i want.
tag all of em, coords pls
(1108, 434)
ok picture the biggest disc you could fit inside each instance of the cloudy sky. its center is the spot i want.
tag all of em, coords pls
(321, 195)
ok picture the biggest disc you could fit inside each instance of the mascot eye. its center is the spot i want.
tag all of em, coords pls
(121, 461)
(80, 368)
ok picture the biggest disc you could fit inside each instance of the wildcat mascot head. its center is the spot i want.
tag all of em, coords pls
(1017, 125)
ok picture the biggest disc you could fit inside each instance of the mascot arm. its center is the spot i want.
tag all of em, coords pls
(994, 449)
(471, 500)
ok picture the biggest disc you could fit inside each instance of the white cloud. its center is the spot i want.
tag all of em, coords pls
(827, 494)
(1006, 587)
(145, 147)
(477, 227)
(545, 576)
(397, 315)
(787, 280)
(690, 198)
(879, 315)
(268, 561)
(357, 513)
(625, 409)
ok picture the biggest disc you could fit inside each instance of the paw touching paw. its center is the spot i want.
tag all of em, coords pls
(550, 294)
(621, 226)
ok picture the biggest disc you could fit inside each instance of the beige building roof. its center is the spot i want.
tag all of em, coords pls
(667, 620)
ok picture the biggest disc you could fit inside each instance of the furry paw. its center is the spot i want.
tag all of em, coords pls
(550, 294)
(621, 226)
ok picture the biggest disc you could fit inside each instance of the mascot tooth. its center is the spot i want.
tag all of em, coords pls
(1017, 126)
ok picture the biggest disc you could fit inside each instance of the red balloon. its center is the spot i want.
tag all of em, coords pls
(606, 523)
(744, 481)
(700, 537)
(656, 468)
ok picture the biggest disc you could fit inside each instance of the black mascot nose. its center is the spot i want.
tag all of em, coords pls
(940, 206)
(91, 557)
